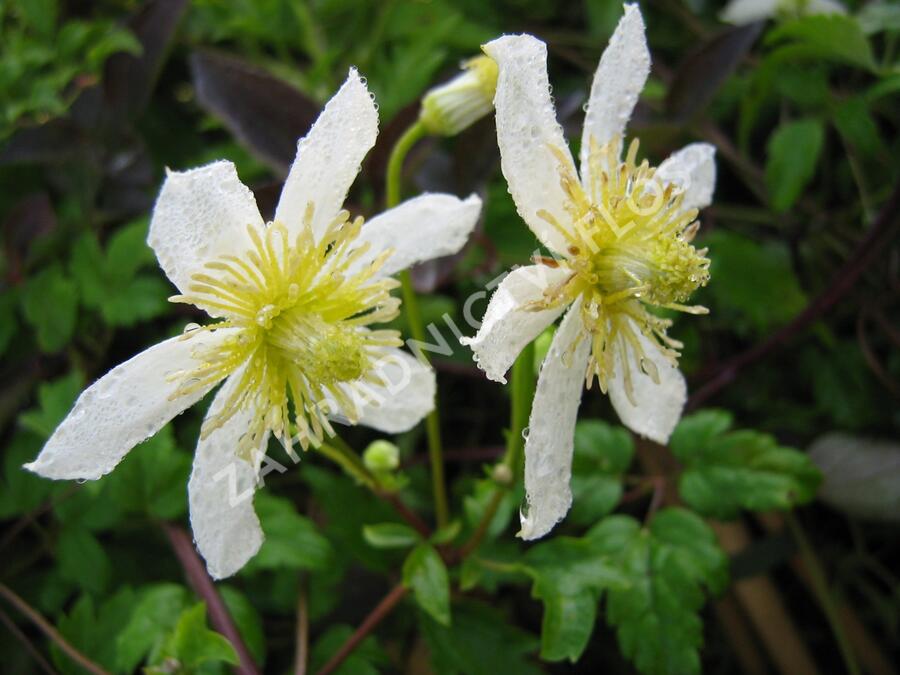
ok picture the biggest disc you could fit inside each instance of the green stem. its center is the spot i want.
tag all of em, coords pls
(522, 382)
(823, 593)
(416, 326)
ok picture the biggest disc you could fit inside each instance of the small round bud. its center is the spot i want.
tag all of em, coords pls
(458, 104)
(502, 474)
(381, 456)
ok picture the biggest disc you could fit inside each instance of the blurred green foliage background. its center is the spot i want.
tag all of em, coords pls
(97, 98)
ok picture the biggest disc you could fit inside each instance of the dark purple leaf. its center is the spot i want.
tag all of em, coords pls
(705, 70)
(128, 80)
(263, 112)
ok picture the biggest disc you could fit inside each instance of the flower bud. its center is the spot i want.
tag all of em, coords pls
(381, 456)
(458, 104)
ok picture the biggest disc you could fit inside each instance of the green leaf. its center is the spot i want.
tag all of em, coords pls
(248, 621)
(834, 37)
(773, 298)
(391, 535)
(111, 284)
(446, 534)
(857, 127)
(292, 541)
(569, 576)
(155, 615)
(729, 471)
(668, 564)
(193, 644)
(367, 659)
(602, 454)
(792, 157)
(94, 632)
(151, 478)
(22, 491)
(481, 641)
(55, 400)
(424, 572)
(82, 560)
(49, 303)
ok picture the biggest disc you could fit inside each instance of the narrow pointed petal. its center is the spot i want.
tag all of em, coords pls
(510, 322)
(741, 12)
(201, 214)
(426, 227)
(220, 492)
(124, 407)
(527, 129)
(693, 169)
(329, 157)
(659, 406)
(551, 429)
(618, 82)
(403, 400)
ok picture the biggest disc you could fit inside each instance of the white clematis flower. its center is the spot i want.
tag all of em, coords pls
(621, 237)
(295, 300)
(741, 12)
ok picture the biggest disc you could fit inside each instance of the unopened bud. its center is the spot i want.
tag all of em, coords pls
(502, 474)
(458, 104)
(381, 456)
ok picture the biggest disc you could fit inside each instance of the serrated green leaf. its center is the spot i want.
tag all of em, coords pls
(82, 560)
(835, 37)
(772, 299)
(390, 535)
(55, 399)
(602, 454)
(22, 491)
(292, 541)
(193, 644)
(425, 573)
(792, 158)
(49, 303)
(569, 575)
(667, 564)
(151, 478)
(155, 614)
(726, 472)
(481, 641)
(94, 632)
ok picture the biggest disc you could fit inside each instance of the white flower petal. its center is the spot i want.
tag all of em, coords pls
(426, 227)
(220, 492)
(509, 324)
(693, 169)
(329, 157)
(659, 406)
(200, 215)
(617, 84)
(551, 429)
(526, 130)
(404, 399)
(823, 7)
(740, 12)
(124, 407)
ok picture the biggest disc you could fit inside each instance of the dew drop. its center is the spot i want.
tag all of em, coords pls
(191, 327)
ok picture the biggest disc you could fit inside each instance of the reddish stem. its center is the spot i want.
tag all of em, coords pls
(375, 617)
(201, 582)
(878, 237)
